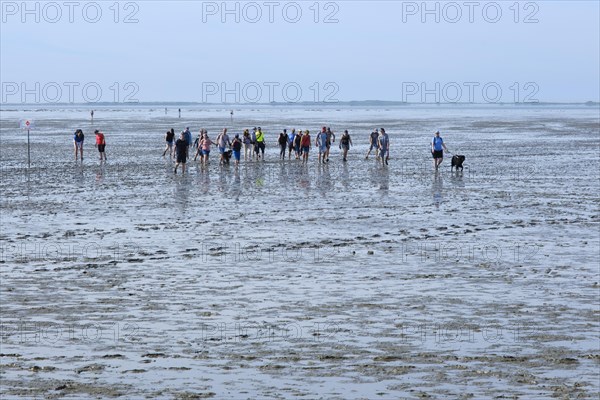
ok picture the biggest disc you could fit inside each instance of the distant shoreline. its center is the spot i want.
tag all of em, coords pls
(362, 103)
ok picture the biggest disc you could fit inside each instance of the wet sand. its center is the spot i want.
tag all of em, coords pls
(277, 280)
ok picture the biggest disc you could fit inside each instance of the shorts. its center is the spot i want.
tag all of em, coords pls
(181, 158)
(205, 152)
(170, 144)
(260, 146)
(221, 150)
(79, 145)
(328, 144)
(373, 146)
(305, 149)
(290, 146)
(438, 154)
(322, 149)
(383, 152)
(297, 148)
(101, 148)
(345, 147)
(236, 155)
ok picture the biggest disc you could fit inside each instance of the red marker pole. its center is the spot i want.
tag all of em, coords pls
(28, 151)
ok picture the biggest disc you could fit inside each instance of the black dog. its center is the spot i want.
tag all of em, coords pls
(227, 156)
(457, 161)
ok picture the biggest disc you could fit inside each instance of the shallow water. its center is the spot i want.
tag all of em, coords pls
(277, 280)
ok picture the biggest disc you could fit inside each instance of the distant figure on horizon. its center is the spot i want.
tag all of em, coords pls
(78, 142)
(100, 144)
(180, 113)
(92, 115)
(437, 149)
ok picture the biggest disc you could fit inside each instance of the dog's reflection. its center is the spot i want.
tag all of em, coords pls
(437, 189)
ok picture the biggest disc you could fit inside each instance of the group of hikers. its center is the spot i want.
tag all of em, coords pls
(253, 144)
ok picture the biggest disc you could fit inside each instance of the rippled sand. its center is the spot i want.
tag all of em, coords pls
(277, 280)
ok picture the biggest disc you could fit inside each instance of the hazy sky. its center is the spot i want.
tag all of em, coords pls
(305, 50)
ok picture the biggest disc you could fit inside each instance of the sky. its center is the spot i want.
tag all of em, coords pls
(286, 51)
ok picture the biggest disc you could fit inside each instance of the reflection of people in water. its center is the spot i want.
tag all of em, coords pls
(437, 189)
(345, 176)
(324, 182)
(236, 189)
(384, 177)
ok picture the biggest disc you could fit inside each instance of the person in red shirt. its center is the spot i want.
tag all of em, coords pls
(305, 145)
(100, 144)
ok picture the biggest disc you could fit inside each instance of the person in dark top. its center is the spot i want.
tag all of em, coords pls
(330, 139)
(297, 140)
(181, 150)
(236, 146)
(282, 143)
(169, 137)
(345, 143)
(373, 144)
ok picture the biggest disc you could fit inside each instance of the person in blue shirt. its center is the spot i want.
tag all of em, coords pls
(188, 139)
(78, 138)
(321, 144)
(437, 149)
(290, 143)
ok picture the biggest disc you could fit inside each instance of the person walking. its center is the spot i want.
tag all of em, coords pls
(345, 143)
(383, 143)
(282, 141)
(170, 139)
(305, 146)
(181, 150)
(247, 141)
(236, 146)
(437, 149)
(321, 144)
(260, 141)
(373, 144)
